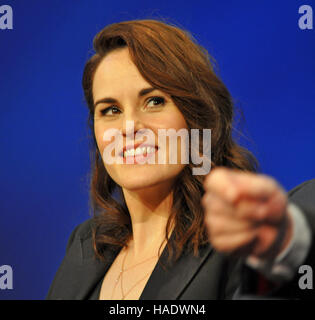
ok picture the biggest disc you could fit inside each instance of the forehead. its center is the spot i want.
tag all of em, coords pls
(117, 75)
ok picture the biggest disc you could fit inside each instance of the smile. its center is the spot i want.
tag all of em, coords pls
(139, 151)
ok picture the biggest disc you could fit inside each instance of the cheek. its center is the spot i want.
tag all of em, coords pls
(179, 122)
(101, 144)
(108, 143)
(171, 121)
(97, 132)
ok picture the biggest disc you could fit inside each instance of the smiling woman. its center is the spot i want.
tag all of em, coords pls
(117, 76)
(164, 236)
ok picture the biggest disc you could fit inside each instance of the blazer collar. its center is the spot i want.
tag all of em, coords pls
(163, 284)
(168, 284)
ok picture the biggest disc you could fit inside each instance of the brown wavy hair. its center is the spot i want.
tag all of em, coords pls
(170, 60)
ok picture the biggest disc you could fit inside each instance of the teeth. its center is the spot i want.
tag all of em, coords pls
(140, 151)
(143, 150)
(150, 150)
(129, 152)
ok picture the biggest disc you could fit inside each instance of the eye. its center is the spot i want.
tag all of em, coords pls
(110, 111)
(156, 101)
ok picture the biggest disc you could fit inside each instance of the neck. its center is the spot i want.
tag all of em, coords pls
(149, 211)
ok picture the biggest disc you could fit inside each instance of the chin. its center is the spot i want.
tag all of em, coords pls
(134, 182)
(143, 178)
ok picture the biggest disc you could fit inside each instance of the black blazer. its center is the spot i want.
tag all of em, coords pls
(209, 276)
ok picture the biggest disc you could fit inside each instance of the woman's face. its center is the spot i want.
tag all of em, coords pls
(118, 83)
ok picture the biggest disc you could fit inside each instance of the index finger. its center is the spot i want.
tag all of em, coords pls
(232, 185)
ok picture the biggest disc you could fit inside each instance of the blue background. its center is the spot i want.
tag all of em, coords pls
(265, 60)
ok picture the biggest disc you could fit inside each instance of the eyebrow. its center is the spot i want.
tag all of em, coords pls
(141, 93)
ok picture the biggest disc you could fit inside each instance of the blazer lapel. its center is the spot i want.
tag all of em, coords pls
(169, 283)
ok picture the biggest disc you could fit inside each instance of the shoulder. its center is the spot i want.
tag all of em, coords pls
(304, 189)
(82, 231)
(303, 195)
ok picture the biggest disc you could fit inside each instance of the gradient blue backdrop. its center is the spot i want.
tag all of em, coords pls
(265, 60)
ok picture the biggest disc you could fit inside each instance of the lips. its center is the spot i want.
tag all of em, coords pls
(138, 149)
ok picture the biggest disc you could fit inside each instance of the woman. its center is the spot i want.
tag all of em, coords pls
(171, 234)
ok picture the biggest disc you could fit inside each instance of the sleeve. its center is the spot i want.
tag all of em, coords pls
(283, 267)
(303, 197)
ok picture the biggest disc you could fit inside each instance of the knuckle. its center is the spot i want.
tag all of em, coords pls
(216, 226)
(217, 206)
(219, 173)
(271, 183)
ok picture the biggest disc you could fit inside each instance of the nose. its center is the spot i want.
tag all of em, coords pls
(132, 123)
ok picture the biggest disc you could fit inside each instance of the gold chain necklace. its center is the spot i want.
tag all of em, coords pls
(121, 276)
